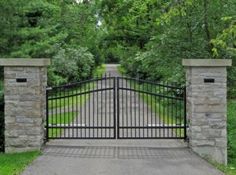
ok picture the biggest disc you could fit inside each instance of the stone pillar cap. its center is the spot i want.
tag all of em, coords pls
(207, 62)
(26, 62)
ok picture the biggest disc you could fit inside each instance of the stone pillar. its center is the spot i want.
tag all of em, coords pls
(207, 107)
(25, 82)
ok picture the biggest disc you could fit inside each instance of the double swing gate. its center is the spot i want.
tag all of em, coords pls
(116, 108)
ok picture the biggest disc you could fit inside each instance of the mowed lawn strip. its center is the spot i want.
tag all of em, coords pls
(14, 164)
(60, 120)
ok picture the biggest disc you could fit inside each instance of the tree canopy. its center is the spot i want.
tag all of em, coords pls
(148, 37)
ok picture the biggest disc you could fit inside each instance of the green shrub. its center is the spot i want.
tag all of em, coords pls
(231, 80)
(149, 65)
(71, 65)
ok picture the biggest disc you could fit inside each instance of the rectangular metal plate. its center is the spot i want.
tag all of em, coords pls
(209, 80)
(21, 80)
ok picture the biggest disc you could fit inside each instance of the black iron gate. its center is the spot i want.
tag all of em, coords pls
(84, 110)
(148, 110)
(116, 107)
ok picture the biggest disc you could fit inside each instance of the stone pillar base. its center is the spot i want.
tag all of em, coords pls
(206, 107)
(25, 82)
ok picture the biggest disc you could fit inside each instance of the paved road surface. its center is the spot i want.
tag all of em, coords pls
(118, 157)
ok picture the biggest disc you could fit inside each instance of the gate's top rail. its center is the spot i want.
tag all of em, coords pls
(76, 84)
(178, 92)
(168, 85)
(152, 88)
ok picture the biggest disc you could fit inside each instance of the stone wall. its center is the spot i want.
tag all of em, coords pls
(206, 110)
(25, 107)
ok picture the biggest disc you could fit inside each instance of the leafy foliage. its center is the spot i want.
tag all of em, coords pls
(52, 29)
(157, 35)
(71, 65)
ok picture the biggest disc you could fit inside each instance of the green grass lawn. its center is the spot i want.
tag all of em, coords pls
(231, 129)
(14, 164)
(62, 118)
(99, 71)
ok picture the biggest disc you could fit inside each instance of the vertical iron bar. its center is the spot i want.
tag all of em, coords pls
(97, 107)
(180, 114)
(185, 114)
(109, 117)
(52, 113)
(81, 110)
(164, 115)
(64, 105)
(139, 117)
(101, 107)
(68, 109)
(155, 105)
(56, 114)
(181, 117)
(47, 116)
(105, 105)
(143, 94)
(159, 111)
(85, 111)
(147, 109)
(151, 111)
(118, 107)
(131, 108)
(114, 103)
(176, 117)
(60, 116)
(89, 109)
(135, 108)
(72, 113)
(167, 108)
(93, 107)
(77, 112)
(172, 114)
(122, 80)
(127, 108)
